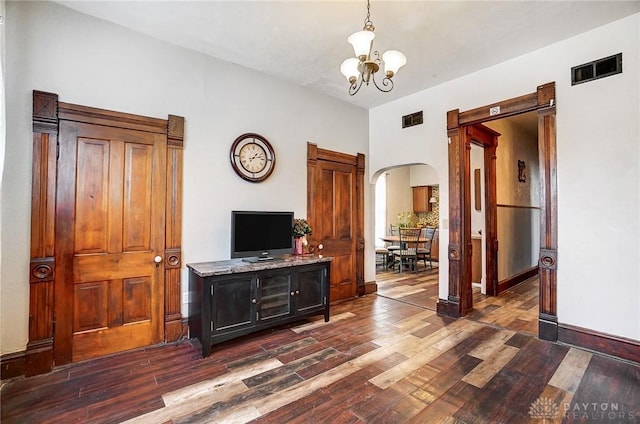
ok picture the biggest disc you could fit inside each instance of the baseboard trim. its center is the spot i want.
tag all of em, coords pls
(517, 279)
(448, 308)
(12, 365)
(620, 347)
(370, 287)
(548, 327)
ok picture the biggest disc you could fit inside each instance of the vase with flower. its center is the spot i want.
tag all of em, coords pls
(301, 229)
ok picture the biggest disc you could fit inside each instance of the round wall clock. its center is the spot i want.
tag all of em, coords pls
(252, 157)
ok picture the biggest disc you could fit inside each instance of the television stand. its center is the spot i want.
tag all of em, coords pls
(236, 297)
(254, 259)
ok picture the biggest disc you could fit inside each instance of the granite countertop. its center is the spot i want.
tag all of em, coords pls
(234, 266)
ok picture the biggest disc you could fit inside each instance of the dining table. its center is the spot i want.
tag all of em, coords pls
(395, 240)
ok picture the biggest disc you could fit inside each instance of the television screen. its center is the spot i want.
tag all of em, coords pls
(261, 235)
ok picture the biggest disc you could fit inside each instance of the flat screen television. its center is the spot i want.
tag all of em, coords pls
(262, 235)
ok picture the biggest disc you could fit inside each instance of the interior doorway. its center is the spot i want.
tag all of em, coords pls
(460, 127)
(517, 217)
(407, 195)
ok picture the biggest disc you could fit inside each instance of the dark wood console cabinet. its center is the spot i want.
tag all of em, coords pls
(233, 298)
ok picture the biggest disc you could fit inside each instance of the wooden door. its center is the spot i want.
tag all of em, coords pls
(335, 213)
(109, 240)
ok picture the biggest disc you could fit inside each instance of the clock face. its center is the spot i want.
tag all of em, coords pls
(252, 157)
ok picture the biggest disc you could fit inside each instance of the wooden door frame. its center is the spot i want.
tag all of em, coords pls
(42, 353)
(314, 153)
(487, 138)
(459, 299)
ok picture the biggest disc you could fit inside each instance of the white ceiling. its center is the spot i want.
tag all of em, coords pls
(305, 41)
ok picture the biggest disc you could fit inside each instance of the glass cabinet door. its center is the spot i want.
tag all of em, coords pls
(274, 295)
(232, 304)
(310, 293)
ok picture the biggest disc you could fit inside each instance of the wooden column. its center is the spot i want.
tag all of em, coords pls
(548, 320)
(360, 225)
(491, 217)
(459, 182)
(39, 352)
(173, 325)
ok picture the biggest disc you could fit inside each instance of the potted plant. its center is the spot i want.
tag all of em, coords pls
(300, 230)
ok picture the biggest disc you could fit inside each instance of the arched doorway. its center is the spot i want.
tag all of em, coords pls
(407, 195)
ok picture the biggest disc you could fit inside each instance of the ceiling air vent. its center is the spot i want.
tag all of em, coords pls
(412, 119)
(597, 69)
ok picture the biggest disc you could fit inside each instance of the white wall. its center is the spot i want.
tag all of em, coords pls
(422, 175)
(518, 227)
(3, 129)
(598, 165)
(476, 161)
(91, 62)
(399, 193)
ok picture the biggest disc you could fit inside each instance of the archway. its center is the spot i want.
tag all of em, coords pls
(411, 196)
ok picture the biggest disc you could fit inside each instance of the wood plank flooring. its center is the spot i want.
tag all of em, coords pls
(515, 309)
(419, 288)
(379, 360)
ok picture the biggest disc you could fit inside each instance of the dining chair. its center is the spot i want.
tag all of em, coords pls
(382, 257)
(393, 231)
(408, 252)
(424, 250)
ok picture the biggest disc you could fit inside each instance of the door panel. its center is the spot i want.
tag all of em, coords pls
(116, 289)
(86, 315)
(334, 225)
(92, 192)
(342, 282)
(137, 299)
(137, 197)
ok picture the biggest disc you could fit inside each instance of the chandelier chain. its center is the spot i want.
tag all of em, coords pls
(367, 21)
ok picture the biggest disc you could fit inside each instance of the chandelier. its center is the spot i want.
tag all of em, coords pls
(362, 68)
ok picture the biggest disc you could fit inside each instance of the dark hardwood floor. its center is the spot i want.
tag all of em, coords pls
(379, 360)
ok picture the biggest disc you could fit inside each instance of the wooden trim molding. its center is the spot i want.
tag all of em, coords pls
(370, 287)
(460, 130)
(518, 278)
(500, 205)
(548, 211)
(173, 327)
(617, 346)
(92, 115)
(38, 357)
(360, 165)
(12, 365)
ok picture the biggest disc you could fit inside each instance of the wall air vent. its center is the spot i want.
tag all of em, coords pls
(412, 119)
(597, 69)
